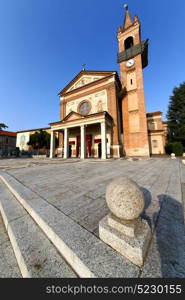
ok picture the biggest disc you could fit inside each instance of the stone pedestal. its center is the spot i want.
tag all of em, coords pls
(123, 229)
(118, 237)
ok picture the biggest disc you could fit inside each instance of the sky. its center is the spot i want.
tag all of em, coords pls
(43, 44)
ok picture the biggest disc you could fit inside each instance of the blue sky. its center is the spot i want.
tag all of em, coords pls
(43, 44)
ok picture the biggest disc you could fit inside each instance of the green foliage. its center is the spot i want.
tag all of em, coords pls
(3, 126)
(174, 147)
(176, 115)
(40, 139)
(169, 148)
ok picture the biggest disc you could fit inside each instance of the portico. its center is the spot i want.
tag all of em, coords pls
(100, 121)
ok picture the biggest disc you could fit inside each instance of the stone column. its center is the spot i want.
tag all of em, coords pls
(66, 143)
(52, 144)
(61, 143)
(83, 141)
(103, 141)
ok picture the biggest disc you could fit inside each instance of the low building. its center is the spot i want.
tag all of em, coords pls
(23, 137)
(7, 142)
(157, 132)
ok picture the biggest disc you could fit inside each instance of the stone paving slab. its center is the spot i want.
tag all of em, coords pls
(8, 264)
(166, 257)
(35, 254)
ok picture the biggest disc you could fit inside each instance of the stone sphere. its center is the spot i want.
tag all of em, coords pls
(124, 198)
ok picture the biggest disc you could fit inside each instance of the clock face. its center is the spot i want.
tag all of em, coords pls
(130, 63)
(85, 108)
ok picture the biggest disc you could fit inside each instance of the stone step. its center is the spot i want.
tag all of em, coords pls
(36, 256)
(84, 252)
(8, 264)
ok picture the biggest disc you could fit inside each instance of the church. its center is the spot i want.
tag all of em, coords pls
(103, 115)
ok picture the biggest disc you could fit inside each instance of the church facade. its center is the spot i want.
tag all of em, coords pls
(102, 115)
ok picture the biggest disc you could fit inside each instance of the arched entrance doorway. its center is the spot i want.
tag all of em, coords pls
(88, 145)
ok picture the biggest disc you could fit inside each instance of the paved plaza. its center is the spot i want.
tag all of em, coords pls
(76, 189)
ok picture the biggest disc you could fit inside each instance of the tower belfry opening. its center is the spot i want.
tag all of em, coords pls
(129, 42)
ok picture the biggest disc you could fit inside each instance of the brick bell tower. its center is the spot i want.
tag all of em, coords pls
(133, 57)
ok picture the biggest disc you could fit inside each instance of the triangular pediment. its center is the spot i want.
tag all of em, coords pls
(72, 116)
(83, 78)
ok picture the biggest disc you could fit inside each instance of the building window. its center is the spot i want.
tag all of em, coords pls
(129, 42)
(152, 125)
(22, 140)
(155, 143)
(6, 140)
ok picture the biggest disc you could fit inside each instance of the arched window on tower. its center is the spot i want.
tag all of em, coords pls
(129, 42)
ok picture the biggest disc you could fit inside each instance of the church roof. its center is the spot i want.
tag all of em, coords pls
(155, 113)
(34, 129)
(100, 74)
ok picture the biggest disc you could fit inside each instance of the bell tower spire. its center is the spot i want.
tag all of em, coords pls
(127, 21)
(133, 57)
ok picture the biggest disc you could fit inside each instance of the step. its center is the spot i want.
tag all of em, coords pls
(8, 264)
(36, 255)
(84, 252)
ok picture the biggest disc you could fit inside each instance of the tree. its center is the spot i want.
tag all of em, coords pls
(3, 126)
(176, 115)
(40, 139)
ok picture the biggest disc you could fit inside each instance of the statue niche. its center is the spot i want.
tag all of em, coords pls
(99, 106)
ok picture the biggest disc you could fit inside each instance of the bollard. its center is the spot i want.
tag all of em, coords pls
(123, 229)
(173, 156)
